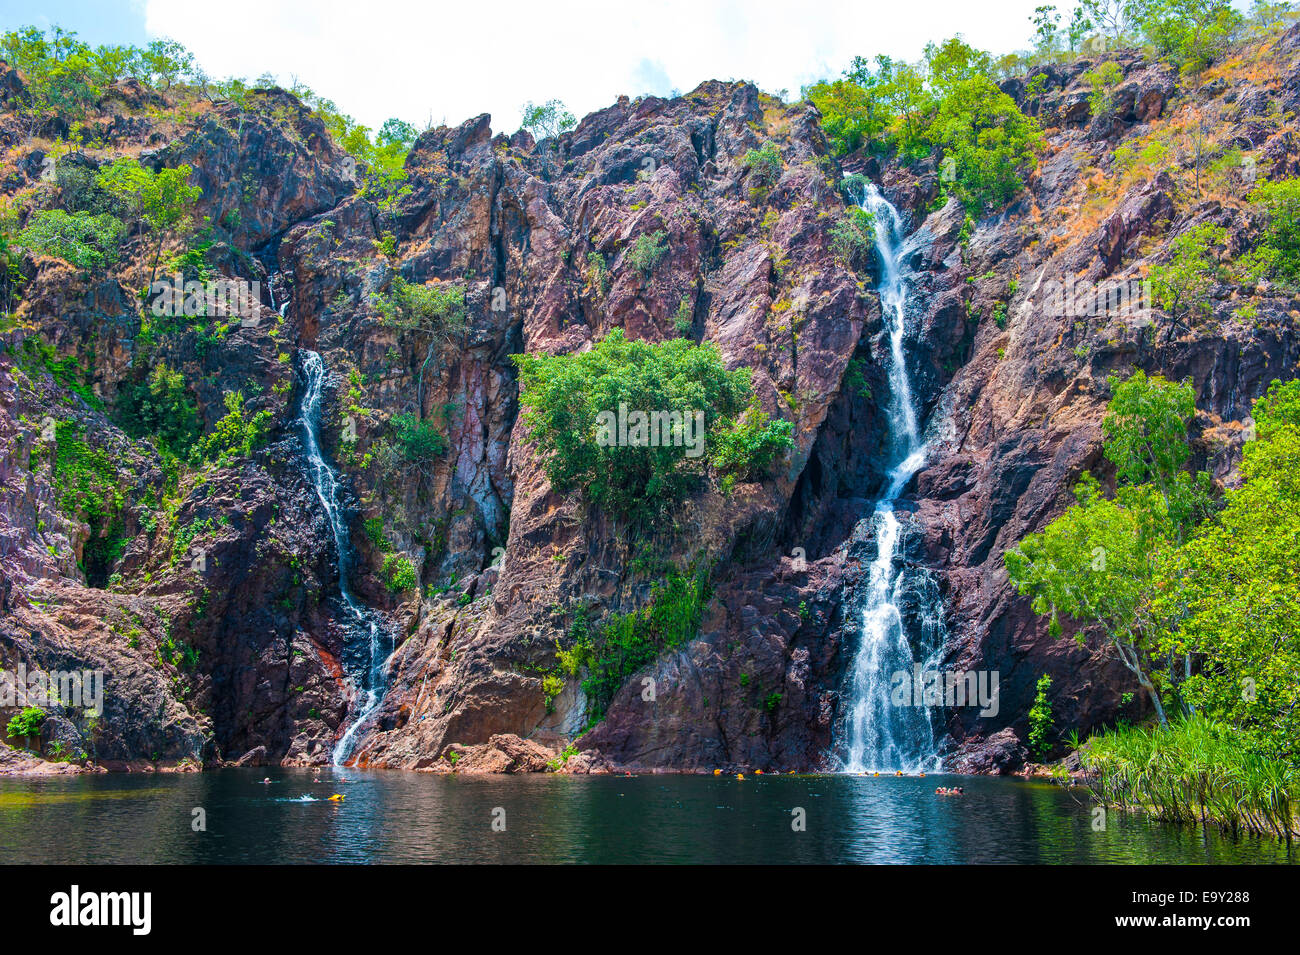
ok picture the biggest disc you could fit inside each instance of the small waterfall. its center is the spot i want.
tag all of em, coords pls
(881, 735)
(363, 661)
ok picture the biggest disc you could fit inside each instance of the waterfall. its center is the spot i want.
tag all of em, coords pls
(363, 662)
(882, 735)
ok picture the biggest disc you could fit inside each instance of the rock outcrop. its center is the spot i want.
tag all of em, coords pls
(211, 604)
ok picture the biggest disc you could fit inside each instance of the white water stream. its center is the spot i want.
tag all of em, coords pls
(365, 664)
(881, 735)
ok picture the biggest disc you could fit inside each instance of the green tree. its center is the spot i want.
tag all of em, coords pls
(164, 62)
(547, 123)
(1102, 82)
(60, 71)
(569, 399)
(1145, 432)
(1046, 20)
(1189, 34)
(548, 120)
(989, 139)
(1280, 247)
(163, 200)
(1229, 596)
(1182, 285)
(87, 241)
(1098, 562)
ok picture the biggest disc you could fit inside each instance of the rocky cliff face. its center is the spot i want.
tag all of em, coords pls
(236, 657)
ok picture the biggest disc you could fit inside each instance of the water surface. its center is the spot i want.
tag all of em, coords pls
(412, 817)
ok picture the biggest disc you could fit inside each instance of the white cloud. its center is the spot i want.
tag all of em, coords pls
(381, 58)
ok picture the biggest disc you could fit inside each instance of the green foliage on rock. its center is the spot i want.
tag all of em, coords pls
(399, 573)
(647, 252)
(948, 106)
(90, 242)
(1182, 284)
(160, 408)
(628, 642)
(420, 441)
(26, 723)
(1278, 253)
(163, 200)
(86, 480)
(437, 308)
(237, 435)
(853, 237)
(572, 402)
(1040, 719)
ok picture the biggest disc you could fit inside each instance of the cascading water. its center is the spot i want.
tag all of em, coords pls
(364, 664)
(881, 735)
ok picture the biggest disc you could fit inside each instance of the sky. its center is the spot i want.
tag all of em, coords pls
(436, 62)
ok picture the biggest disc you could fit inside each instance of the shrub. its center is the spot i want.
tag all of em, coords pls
(419, 439)
(160, 407)
(570, 401)
(752, 446)
(597, 274)
(1040, 719)
(84, 240)
(437, 309)
(26, 722)
(853, 237)
(627, 642)
(764, 167)
(647, 252)
(1101, 81)
(374, 530)
(1189, 34)
(238, 434)
(399, 573)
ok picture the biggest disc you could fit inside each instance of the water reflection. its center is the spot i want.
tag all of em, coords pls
(405, 817)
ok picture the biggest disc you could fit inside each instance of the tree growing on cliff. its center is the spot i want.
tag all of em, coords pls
(545, 123)
(1182, 284)
(163, 200)
(1098, 562)
(1189, 34)
(1228, 596)
(674, 407)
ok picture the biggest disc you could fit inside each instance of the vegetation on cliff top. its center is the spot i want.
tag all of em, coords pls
(949, 106)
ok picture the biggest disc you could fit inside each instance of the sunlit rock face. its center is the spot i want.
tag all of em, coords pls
(216, 613)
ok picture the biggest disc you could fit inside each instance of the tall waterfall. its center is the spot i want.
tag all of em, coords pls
(363, 659)
(879, 734)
